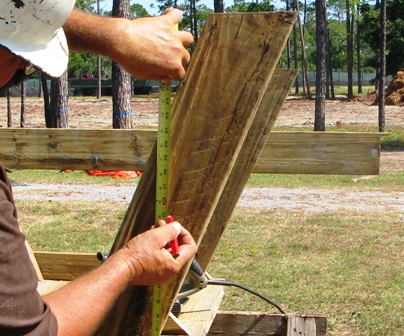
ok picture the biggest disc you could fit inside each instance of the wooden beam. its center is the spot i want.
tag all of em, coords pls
(212, 113)
(264, 324)
(75, 148)
(347, 153)
(65, 266)
(260, 129)
(198, 313)
(321, 153)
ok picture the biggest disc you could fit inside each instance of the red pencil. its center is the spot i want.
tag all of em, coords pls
(174, 244)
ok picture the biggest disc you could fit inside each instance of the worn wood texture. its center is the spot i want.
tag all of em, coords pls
(301, 325)
(321, 153)
(65, 266)
(260, 129)
(284, 152)
(263, 324)
(76, 148)
(212, 113)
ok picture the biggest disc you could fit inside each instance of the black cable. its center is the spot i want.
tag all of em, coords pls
(228, 283)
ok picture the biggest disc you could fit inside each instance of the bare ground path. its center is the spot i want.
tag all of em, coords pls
(306, 200)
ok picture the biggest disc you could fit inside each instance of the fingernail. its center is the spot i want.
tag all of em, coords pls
(177, 226)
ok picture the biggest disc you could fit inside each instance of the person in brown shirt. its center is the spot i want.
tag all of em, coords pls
(37, 35)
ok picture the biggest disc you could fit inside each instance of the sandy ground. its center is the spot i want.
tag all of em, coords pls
(93, 113)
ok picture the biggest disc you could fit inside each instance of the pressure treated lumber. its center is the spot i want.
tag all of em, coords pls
(321, 153)
(346, 153)
(258, 133)
(263, 324)
(65, 266)
(200, 311)
(212, 113)
(75, 148)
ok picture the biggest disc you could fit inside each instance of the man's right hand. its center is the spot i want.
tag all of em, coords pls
(149, 261)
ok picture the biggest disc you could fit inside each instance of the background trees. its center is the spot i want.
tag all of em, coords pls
(333, 35)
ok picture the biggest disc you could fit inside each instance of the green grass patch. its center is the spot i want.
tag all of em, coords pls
(384, 182)
(346, 265)
(70, 227)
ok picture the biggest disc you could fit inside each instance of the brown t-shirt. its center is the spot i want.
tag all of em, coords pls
(22, 310)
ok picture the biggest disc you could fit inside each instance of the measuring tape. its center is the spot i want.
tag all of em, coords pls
(163, 152)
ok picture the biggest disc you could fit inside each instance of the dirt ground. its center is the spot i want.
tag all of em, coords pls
(93, 113)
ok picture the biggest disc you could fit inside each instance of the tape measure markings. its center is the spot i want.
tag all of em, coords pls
(163, 152)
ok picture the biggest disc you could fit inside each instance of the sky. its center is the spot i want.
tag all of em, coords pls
(107, 4)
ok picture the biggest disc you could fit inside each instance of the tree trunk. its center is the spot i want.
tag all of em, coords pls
(121, 80)
(288, 60)
(321, 54)
(349, 49)
(304, 59)
(382, 78)
(358, 55)
(295, 57)
(59, 102)
(9, 115)
(99, 83)
(218, 6)
(23, 98)
(194, 21)
(330, 78)
(46, 100)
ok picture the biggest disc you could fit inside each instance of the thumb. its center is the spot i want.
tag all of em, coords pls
(173, 14)
(168, 232)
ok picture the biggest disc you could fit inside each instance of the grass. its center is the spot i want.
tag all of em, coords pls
(348, 265)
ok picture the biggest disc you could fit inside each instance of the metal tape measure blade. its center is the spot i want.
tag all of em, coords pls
(163, 152)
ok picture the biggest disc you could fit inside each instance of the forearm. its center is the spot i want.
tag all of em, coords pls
(91, 33)
(83, 304)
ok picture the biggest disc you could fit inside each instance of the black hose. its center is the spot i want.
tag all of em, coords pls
(228, 283)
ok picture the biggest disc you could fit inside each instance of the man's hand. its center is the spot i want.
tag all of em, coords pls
(151, 47)
(148, 48)
(149, 261)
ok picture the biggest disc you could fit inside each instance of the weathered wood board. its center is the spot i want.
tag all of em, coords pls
(321, 153)
(263, 324)
(50, 148)
(65, 266)
(212, 113)
(284, 152)
(258, 133)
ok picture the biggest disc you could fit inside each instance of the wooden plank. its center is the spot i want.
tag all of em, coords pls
(209, 127)
(76, 148)
(301, 325)
(174, 326)
(65, 266)
(283, 153)
(321, 153)
(262, 324)
(48, 286)
(260, 129)
(198, 313)
(37, 269)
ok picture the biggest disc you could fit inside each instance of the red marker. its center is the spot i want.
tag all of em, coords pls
(174, 244)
